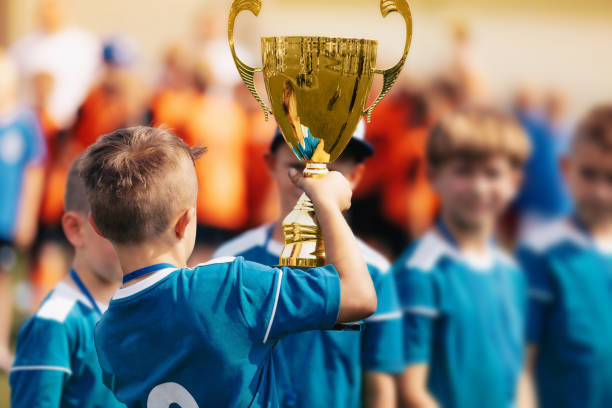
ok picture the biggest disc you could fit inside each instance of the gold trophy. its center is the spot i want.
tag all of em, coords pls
(318, 88)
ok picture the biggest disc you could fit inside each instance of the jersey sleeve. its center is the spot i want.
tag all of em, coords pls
(381, 348)
(42, 364)
(420, 308)
(276, 302)
(540, 292)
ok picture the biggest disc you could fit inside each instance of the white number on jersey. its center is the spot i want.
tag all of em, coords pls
(163, 395)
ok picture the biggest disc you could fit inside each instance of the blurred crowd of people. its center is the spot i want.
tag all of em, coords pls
(61, 87)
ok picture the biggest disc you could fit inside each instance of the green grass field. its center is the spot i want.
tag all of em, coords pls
(4, 392)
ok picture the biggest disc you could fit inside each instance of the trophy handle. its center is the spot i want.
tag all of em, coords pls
(246, 72)
(390, 75)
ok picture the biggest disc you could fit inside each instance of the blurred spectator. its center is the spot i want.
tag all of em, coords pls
(556, 116)
(543, 195)
(464, 68)
(210, 43)
(216, 121)
(22, 154)
(69, 55)
(262, 196)
(118, 100)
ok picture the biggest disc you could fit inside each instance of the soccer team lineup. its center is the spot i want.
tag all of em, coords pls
(303, 220)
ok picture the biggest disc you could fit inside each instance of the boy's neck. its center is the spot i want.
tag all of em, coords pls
(473, 240)
(100, 289)
(601, 231)
(277, 234)
(133, 258)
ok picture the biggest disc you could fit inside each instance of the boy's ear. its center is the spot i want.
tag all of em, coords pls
(270, 159)
(180, 228)
(72, 223)
(93, 225)
(356, 175)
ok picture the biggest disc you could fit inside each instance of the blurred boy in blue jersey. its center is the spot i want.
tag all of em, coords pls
(56, 363)
(324, 368)
(22, 154)
(569, 269)
(175, 336)
(463, 300)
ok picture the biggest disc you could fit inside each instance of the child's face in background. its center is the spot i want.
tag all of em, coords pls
(474, 193)
(280, 162)
(97, 251)
(588, 171)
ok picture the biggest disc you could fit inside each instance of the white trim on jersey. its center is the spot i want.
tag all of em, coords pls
(422, 311)
(216, 261)
(433, 247)
(41, 368)
(278, 287)
(143, 284)
(384, 317)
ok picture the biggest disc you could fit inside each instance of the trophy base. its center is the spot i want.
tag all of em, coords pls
(303, 242)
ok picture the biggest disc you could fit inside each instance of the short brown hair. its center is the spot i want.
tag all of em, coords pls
(137, 181)
(75, 196)
(596, 128)
(475, 133)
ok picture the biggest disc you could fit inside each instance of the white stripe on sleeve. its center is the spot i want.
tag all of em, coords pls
(42, 368)
(422, 311)
(278, 287)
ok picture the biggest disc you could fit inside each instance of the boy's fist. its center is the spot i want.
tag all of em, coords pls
(329, 189)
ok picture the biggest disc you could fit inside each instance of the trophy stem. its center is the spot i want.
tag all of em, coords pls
(303, 240)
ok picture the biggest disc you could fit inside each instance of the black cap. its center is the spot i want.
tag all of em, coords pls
(357, 148)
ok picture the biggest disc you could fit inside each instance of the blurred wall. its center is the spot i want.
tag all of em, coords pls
(547, 42)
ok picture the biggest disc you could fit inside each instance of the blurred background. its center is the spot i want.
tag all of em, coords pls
(87, 67)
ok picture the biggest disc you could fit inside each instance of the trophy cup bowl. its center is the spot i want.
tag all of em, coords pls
(318, 88)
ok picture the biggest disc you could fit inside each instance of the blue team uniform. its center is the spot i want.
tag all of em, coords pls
(324, 368)
(570, 315)
(464, 318)
(56, 363)
(203, 337)
(21, 145)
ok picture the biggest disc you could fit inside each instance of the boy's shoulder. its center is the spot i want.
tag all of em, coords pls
(64, 305)
(243, 243)
(377, 263)
(552, 237)
(432, 252)
(425, 254)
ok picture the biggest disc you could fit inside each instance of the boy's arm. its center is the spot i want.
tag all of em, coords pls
(29, 205)
(380, 390)
(42, 365)
(330, 195)
(413, 388)
(526, 391)
(33, 182)
(381, 346)
(418, 301)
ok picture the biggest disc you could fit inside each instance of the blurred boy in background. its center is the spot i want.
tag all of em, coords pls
(463, 299)
(327, 368)
(22, 155)
(569, 269)
(56, 363)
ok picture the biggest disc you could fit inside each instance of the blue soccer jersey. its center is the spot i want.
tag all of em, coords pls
(324, 368)
(464, 318)
(203, 337)
(570, 315)
(21, 145)
(56, 363)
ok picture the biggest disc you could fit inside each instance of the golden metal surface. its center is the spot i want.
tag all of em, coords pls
(318, 88)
